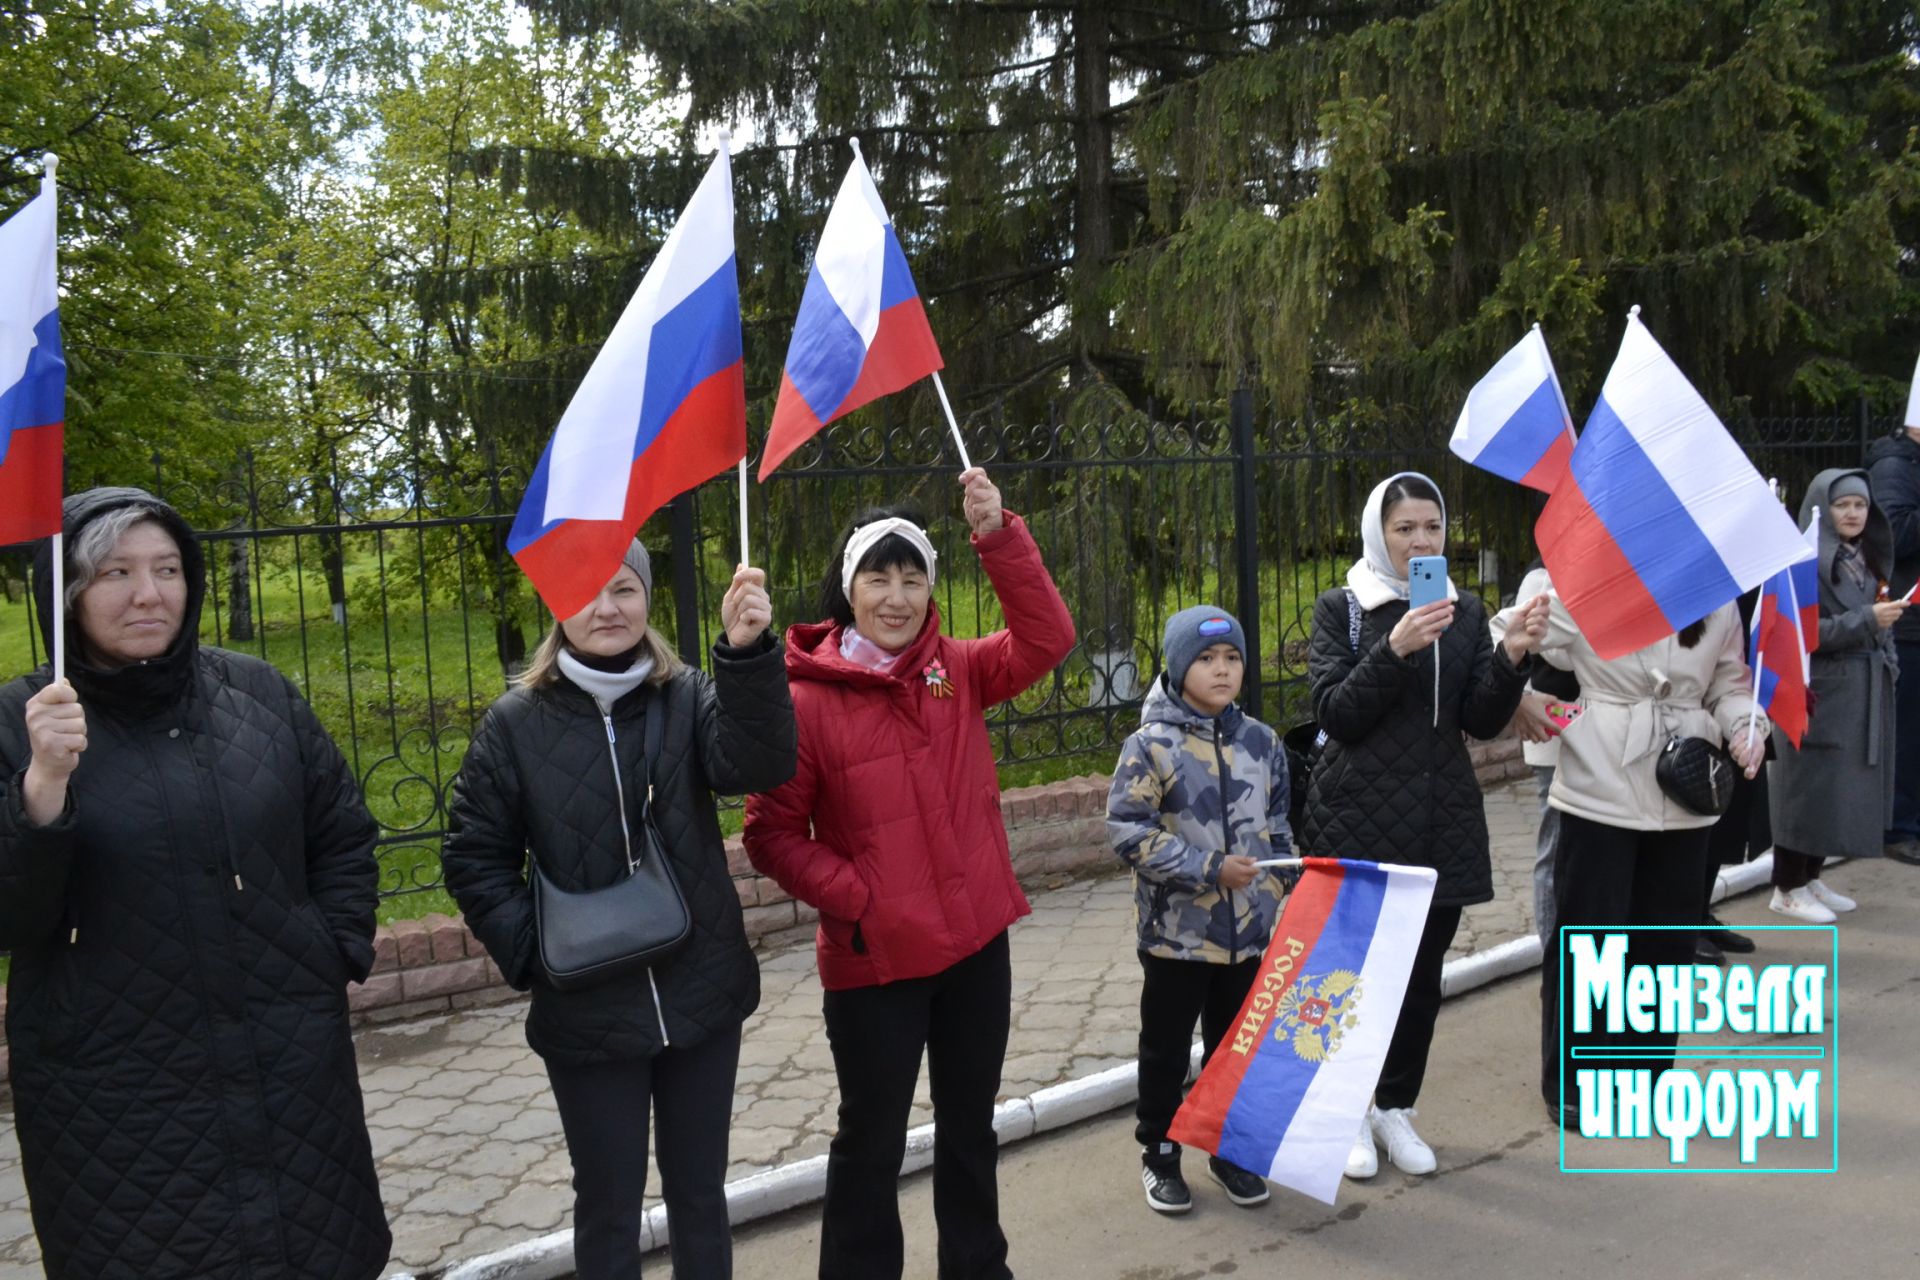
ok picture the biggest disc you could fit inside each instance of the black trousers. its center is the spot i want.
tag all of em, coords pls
(603, 1109)
(959, 1017)
(1605, 877)
(1793, 870)
(1175, 994)
(1406, 1065)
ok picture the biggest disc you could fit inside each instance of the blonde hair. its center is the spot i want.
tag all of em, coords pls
(543, 668)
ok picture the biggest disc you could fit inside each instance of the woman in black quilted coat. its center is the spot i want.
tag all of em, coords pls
(1395, 689)
(187, 885)
(559, 769)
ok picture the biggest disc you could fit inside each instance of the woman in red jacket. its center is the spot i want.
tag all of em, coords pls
(891, 827)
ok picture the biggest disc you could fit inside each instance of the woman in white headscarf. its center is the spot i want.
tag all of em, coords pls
(1395, 688)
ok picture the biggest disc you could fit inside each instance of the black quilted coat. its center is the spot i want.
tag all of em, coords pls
(1393, 786)
(184, 1084)
(538, 773)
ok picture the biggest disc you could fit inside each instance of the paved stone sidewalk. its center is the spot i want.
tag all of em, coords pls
(469, 1145)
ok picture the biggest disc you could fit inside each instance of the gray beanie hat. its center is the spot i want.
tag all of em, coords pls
(637, 560)
(1852, 485)
(1191, 632)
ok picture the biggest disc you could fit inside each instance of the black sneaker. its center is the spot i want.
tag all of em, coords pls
(1166, 1189)
(1725, 938)
(1242, 1187)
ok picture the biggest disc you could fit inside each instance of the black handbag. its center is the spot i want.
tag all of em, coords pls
(1696, 775)
(596, 935)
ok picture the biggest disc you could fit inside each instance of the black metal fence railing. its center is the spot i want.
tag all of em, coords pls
(393, 605)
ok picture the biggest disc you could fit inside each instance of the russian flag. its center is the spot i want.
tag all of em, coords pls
(1283, 1094)
(33, 373)
(1660, 519)
(861, 332)
(1777, 652)
(1515, 423)
(663, 408)
(1806, 593)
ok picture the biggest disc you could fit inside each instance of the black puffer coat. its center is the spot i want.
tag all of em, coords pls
(1893, 469)
(538, 774)
(1393, 786)
(184, 1083)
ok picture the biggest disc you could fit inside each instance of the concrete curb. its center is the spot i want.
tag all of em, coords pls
(764, 1194)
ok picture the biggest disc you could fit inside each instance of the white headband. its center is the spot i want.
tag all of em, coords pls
(864, 538)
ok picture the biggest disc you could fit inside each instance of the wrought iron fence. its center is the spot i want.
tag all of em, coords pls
(392, 603)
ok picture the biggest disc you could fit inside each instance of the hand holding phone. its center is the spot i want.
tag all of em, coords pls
(1426, 580)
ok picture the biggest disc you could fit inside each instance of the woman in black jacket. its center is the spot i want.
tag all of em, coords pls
(1395, 784)
(558, 770)
(187, 885)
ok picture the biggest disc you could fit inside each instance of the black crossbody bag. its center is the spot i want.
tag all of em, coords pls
(596, 935)
(1696, 775)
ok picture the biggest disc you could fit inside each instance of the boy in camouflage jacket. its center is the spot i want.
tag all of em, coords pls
(1199, 795)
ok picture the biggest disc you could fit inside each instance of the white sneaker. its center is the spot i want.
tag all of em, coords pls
(1830, 899)
(1394, 1126)
(1363, 1161)
(1800, 904)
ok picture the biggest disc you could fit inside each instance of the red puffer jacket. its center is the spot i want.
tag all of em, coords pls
(891, 823)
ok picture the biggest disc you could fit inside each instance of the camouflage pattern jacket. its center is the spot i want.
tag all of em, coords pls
(1169, 820)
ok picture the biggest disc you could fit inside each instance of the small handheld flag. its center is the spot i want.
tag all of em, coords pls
(1776, 654)
(861, 332)
(1661, 518)
(663, 408)
(33, 371)
(1283, 1094)
(1515, 423)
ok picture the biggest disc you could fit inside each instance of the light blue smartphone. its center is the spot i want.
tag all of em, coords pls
(1426, 580)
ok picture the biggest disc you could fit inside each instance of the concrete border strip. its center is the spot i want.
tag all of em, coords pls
(762, 1195)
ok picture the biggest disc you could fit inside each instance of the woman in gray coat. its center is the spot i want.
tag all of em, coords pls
(1847, 751)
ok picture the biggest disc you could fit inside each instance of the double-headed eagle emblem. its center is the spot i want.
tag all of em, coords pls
(1316, 1012)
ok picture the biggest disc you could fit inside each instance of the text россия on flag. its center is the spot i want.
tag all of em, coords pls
(1283, 1094)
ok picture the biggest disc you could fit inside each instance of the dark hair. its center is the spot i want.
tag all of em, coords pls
(892, 551)
(1691, 633)
(1409, 488)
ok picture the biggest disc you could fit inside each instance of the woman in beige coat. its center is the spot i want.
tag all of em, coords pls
(1628, 854)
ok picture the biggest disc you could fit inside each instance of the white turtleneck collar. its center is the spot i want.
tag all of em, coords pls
(605, 687)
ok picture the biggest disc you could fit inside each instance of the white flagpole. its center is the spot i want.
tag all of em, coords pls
(743, 512)
(966, 463)
(52, 166)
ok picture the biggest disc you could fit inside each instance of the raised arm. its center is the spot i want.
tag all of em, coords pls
(1351, 692)
(36, 857)
(1039, 631)
(745, 731)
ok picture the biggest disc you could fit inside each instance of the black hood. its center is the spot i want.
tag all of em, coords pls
(145, 686)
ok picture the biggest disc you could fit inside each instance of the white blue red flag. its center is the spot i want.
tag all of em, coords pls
(861, 332)
(1778, 655)
(1806, 593)
(1661, 519)
(33, 373)
(663, 408)
(1515, 423)
(1283, 1094)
